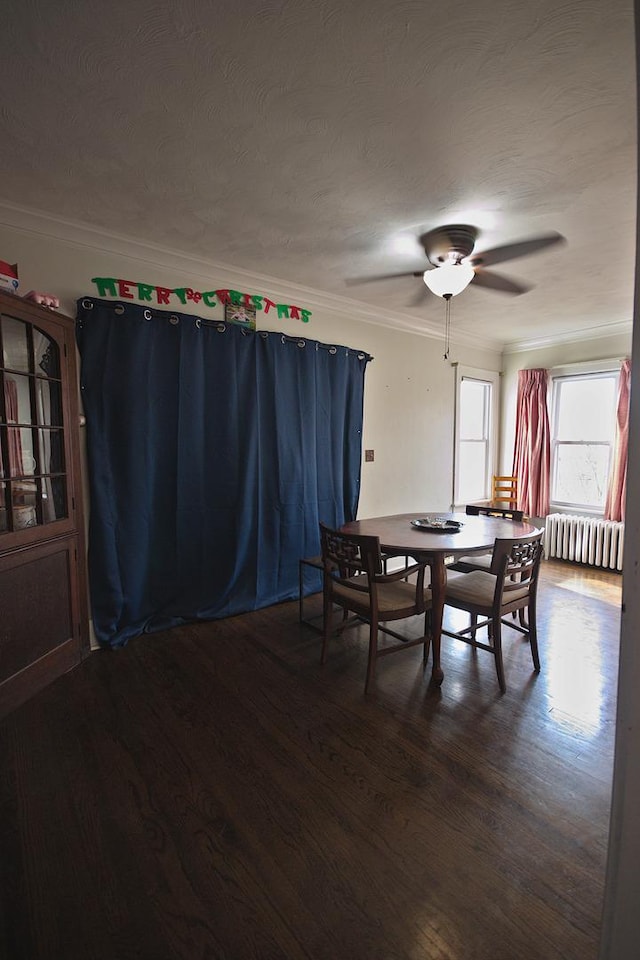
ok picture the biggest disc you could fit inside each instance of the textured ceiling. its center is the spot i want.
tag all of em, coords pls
(312, 140)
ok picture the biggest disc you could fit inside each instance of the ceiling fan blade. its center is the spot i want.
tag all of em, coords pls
(421, 295)
(354, 281)
(495, 281)
(512, 250)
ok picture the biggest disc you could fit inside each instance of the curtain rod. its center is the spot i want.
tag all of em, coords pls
(584, 363)
(221, 325)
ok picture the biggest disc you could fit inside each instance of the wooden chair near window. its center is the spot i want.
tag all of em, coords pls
(354, 579)
(509, 586)
(504, 490)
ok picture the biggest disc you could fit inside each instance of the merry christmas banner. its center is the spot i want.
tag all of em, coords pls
(165, 296)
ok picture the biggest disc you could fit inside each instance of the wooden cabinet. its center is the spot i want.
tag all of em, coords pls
(43, 607)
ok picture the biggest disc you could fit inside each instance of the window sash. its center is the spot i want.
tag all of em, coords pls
(558, 444)
(463, 491)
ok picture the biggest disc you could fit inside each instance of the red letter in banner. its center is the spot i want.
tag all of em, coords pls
(268, 304)
(163, 294)
(123, 288)
(223, 296)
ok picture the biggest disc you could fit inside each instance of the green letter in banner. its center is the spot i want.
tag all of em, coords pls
(106, 286)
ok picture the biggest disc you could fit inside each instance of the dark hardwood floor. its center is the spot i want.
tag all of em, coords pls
(213, 792)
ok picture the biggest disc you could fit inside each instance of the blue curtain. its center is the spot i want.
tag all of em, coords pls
(213, 453)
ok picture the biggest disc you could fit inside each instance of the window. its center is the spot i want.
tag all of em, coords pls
(582, 436)
(476, 408)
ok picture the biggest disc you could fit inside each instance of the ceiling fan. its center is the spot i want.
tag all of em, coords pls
(453, 265)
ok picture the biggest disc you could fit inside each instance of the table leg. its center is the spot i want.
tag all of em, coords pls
(438, 582)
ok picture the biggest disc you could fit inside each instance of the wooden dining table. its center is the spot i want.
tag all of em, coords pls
(399, 537)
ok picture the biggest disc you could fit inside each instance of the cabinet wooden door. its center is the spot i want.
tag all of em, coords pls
(43, 607)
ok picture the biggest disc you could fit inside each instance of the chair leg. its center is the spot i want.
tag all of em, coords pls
(474, 624)
(533, 636)
(427, 637)
(327, 610)
(373, 654)
(496, 632)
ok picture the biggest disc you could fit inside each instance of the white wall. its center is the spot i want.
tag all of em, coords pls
(409, 388)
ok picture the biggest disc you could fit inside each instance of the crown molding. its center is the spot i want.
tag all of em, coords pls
(619, 328)
(41, 224)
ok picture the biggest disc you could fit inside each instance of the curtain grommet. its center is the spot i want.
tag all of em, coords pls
(198, 323)
(147, 314)
(174, 320)
(264, 334)
(302, 343)
(119, 309)
(333, 351)
(87, 304)
(221, 328)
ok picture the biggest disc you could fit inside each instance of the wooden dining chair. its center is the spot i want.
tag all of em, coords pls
(508, 586)
(315, 563)
(488, 510)
(482, 561)
(354, 579)
(504, 490)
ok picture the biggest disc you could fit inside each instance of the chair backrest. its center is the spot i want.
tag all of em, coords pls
(348, 554)
(516, 563)
(507, 513)
(505, 490)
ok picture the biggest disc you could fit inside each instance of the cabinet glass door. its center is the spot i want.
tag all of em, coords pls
(33, 474)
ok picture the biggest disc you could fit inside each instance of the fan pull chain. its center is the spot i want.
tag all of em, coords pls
(447, 326)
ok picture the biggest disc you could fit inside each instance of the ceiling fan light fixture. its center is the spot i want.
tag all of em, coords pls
(450, 279)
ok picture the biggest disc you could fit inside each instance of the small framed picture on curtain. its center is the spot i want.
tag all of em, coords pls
(241, 314)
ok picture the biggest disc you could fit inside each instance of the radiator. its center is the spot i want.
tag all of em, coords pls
(584, 540)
